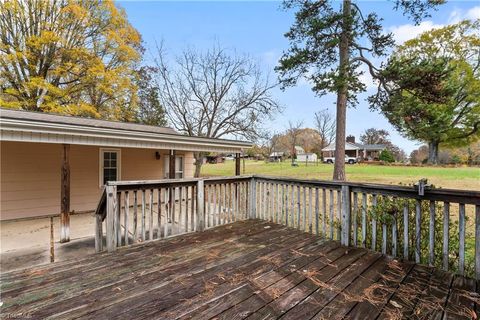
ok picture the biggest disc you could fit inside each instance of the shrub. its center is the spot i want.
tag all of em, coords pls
(386, 156)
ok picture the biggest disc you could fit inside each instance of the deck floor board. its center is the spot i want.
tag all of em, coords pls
(246, 270)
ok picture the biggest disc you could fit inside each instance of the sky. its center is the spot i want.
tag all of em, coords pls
(256, 28)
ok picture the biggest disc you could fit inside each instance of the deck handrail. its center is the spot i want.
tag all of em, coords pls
(169, 207)
(452, 195)
(419, 228)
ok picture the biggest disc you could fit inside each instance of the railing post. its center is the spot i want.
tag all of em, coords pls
(98, 233)
(346, 211)
(200, 206)
(111, 217)
(477, 242)
(252, 203)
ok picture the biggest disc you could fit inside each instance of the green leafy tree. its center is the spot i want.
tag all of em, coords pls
(68, 57)
(431, 87)
(386, 156)
(150, 110)
(328, 44)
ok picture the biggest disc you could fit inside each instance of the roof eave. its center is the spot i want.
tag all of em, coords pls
(58, 129)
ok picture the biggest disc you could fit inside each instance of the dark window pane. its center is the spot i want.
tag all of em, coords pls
(113, 155)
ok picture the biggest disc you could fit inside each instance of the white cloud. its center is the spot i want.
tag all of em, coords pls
(473, 13)
(458, 15)
(406, 32)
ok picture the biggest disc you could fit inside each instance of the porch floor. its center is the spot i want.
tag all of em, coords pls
(251, 269)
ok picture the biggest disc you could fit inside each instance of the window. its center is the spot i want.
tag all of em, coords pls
(179, 165)
(109, 165)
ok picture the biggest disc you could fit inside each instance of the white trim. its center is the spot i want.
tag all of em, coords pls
(100, 164)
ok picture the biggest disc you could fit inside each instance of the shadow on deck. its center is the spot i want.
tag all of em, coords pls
(251, 269)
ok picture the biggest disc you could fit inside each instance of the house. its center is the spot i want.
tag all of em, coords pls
(214, 159)
(307, 157)
(364, 152)
(299, 150)
(52, 164)
(302, 156)
(276, 156)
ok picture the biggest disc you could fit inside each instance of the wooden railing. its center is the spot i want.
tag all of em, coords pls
(439, 227)
(140, 211)
(399, 221)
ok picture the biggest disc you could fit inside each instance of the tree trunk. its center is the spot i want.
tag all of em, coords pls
(339, 168)
(198, 163)
(433, 152)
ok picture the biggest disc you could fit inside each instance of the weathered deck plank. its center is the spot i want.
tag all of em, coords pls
(249, 269)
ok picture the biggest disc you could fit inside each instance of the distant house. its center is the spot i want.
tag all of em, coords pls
(214, 159)
(307, 157)
(276, 156)
(302, 156)
(299, 150)
(366, 152)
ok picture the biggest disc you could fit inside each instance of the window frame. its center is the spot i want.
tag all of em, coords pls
(101, 161)
(182, 162)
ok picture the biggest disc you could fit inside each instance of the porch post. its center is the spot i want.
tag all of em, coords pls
(237, 164)
(171, 167)
(171, 191)
(65, 195)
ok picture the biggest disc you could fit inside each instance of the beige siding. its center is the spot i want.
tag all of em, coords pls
(84, 182)
(30, 179)
(30, 176)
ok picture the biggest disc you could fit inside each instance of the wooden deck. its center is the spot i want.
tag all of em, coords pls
(250, 269)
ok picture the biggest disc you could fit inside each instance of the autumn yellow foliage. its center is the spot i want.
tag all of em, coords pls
(68, 57)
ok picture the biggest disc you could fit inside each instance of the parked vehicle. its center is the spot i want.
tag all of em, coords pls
(349, 160)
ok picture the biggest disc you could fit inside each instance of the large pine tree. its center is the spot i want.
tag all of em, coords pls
(328, 45)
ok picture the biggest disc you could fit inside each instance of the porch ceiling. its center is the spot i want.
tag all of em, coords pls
(18, 126)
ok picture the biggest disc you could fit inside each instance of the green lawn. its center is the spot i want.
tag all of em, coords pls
(456, 178)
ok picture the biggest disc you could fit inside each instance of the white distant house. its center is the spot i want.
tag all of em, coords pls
(307, 157)
(303, 156)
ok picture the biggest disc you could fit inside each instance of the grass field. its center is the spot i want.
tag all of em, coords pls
(455, 178)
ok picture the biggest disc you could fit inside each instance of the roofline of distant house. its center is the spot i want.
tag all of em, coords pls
(355, 146)
(16, 129)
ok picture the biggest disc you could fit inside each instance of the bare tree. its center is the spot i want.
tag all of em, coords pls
(292, 132)
(268, 143)
(375, 136)
(214, 94)
(325, 123)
